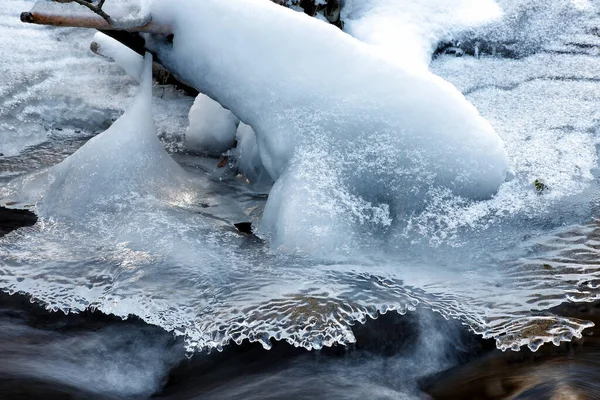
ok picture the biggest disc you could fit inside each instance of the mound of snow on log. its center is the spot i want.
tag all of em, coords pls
(355, 137)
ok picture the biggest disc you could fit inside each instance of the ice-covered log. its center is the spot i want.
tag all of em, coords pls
(348, 133)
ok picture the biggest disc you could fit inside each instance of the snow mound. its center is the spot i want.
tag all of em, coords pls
(407, 31)
(381, 134)
(212, 128)
(126, 161)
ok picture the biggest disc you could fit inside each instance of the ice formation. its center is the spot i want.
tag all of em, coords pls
(407, 32)
(340, 130)
(126, 161)
(248, 159)
(527, 26)
(336, 125)
(126, 58)
(212, 128)
(58, 90)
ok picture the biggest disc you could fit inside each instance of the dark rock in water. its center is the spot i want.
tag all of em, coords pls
(244, 227)
(11, 219)
(568, 371)
(95, 356)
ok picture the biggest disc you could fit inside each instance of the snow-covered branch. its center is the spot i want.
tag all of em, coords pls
(91, 21)
(56, 16)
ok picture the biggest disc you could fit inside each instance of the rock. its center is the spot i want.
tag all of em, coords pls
(568, 371)
(11, 219)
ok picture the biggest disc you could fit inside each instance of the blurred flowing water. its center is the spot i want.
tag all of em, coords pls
(190, 281)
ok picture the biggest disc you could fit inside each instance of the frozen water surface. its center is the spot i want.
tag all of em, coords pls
(148, 237)
(47, 76)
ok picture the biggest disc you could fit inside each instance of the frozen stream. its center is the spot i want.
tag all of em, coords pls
(175, 259)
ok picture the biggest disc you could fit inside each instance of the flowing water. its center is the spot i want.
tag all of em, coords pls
(191, 282)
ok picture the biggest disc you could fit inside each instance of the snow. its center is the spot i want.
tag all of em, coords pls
(212, 128)
(529, 25)
(382, 134)
(407, 32)
(403, 31)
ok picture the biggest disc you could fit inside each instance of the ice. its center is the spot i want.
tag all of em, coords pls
(43, 88)
(56, 88)
(124, 162)
(371, 210)
(382, 134)
(545, 108)
(126, 58)
(212, 128)
(405, 31)
(247, 157)
(528, 26)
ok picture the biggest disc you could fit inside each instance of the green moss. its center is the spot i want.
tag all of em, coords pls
(539, 186)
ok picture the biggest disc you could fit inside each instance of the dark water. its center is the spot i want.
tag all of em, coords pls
(92, 355)
(416, 356)
(569, 371)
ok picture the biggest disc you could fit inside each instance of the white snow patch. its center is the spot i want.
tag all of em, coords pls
(212, 128)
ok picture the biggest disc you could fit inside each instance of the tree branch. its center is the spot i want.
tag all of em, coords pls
(95, 9)
(92, 21)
